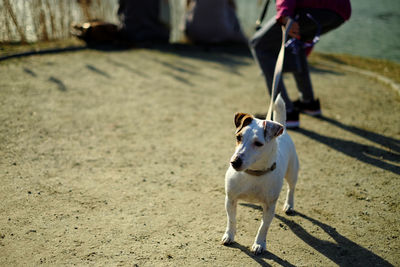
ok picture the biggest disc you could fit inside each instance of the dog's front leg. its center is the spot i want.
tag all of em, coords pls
(260, 242)
(230, 206)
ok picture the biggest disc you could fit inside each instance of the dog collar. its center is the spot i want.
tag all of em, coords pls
(261, 172)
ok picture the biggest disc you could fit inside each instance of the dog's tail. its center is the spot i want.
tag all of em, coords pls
(280, 111)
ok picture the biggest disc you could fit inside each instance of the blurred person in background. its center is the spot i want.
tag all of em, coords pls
(140, 21)
(311, 18)
(213, 22)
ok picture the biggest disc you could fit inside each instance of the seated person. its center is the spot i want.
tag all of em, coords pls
(140, 21)
(212, 22)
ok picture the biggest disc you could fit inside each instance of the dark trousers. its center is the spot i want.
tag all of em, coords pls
(266, 43)
(140, 21)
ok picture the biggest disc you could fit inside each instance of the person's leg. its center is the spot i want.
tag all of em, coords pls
(303, 79)
(306, 102)
(328, 20)
(265, 46)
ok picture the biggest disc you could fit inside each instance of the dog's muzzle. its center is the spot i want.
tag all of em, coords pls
(236, 163)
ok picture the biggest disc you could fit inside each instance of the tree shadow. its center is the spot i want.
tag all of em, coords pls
(127, 67)
(228, 59)
(179, 78)
(181, 68)
(230, 56)
(98, 71)
(222, 53)
(365, 153)
(344, 252)
(30, 72)
(61, 86)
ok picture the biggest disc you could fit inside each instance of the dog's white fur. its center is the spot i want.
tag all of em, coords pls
(261, 144)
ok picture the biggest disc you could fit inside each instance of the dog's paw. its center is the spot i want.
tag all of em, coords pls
(288, 210)
(258, 248)
(227, 239)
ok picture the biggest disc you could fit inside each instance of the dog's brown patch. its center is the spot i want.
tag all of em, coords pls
(272, 129)
(242, 120)
(239, 138)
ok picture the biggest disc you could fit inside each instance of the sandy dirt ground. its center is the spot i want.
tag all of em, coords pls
(118, 159)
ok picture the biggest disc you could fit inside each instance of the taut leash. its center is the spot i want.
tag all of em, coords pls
(279, 66)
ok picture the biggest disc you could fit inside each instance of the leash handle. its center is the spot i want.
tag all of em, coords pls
(279, 66)
(292, 43)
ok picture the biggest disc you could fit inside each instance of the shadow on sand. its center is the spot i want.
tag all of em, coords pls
(343, 252)
(260, 258)
(386, 159)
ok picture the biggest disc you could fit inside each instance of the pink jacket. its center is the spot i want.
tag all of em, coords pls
(288, 7)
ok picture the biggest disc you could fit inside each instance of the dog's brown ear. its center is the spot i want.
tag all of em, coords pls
(238, 118)
(272, 129)
(242, 120)
(279, 131)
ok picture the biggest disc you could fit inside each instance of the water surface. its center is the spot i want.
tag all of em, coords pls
(372, 31)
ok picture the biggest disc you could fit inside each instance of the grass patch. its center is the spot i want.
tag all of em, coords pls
(381, 66)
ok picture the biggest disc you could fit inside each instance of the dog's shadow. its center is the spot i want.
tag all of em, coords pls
(260, 258)
(266, 255)
(344, 252)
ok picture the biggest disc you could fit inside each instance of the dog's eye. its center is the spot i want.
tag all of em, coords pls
(256, 143)
(238, 138)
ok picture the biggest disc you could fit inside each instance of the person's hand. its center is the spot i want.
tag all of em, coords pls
(294, 30)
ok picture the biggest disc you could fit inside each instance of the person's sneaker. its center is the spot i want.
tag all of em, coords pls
(292, 119)
(312, 108)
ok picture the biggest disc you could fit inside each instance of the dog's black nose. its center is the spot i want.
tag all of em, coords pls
(236, 163)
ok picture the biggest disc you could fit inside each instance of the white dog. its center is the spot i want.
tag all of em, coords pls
(264, 155)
